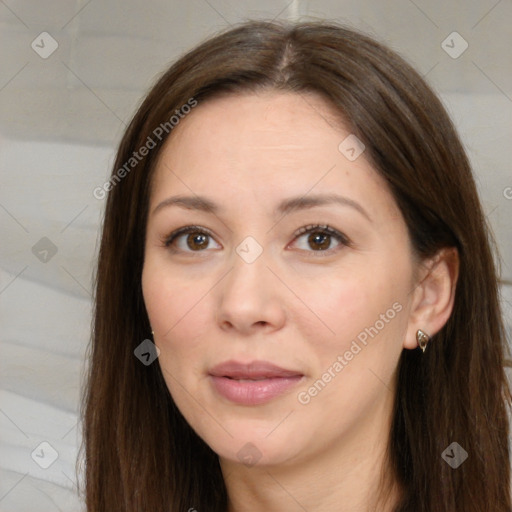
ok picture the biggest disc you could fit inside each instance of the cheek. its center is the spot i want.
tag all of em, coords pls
(354, 366)
(173, 302)
(180, 311)
(361, 306)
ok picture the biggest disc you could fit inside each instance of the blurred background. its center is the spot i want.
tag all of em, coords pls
(71, 76)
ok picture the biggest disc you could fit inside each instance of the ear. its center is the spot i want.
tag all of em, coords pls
(433, 296)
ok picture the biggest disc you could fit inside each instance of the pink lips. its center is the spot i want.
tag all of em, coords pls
(253, 383)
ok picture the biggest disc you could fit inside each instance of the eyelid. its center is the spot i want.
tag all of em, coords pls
(186, 229)
(169, 239)
(326, 229)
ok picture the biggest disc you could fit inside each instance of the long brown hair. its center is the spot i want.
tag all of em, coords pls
(139, 452)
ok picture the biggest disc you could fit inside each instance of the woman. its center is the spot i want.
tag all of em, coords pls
(293, 222)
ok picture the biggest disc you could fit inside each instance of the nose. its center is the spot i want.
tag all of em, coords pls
(250, 298)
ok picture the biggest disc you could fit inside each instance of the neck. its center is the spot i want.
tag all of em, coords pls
(351, 475)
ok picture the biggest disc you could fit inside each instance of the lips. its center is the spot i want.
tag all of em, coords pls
(256, 370)
(252, 383)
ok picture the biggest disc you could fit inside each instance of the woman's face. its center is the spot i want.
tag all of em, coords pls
(280, 305)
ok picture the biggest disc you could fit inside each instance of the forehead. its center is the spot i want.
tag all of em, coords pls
(233, 123)
(271, 144)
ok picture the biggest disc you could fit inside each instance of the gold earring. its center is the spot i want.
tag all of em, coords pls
(422, 338)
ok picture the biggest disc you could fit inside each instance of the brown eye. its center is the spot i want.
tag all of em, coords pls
(190, 239)
(319, 241)
(197, 241)
(318, 238)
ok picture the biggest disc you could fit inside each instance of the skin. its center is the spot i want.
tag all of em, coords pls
(295, 305)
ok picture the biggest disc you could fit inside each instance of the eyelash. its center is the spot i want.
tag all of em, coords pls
(312, 228)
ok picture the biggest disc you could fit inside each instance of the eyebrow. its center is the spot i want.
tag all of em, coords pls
(284, 207)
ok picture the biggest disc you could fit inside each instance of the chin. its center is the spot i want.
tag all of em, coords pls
(252, 445)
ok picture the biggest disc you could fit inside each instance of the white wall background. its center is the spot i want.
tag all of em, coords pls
(60, 119)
